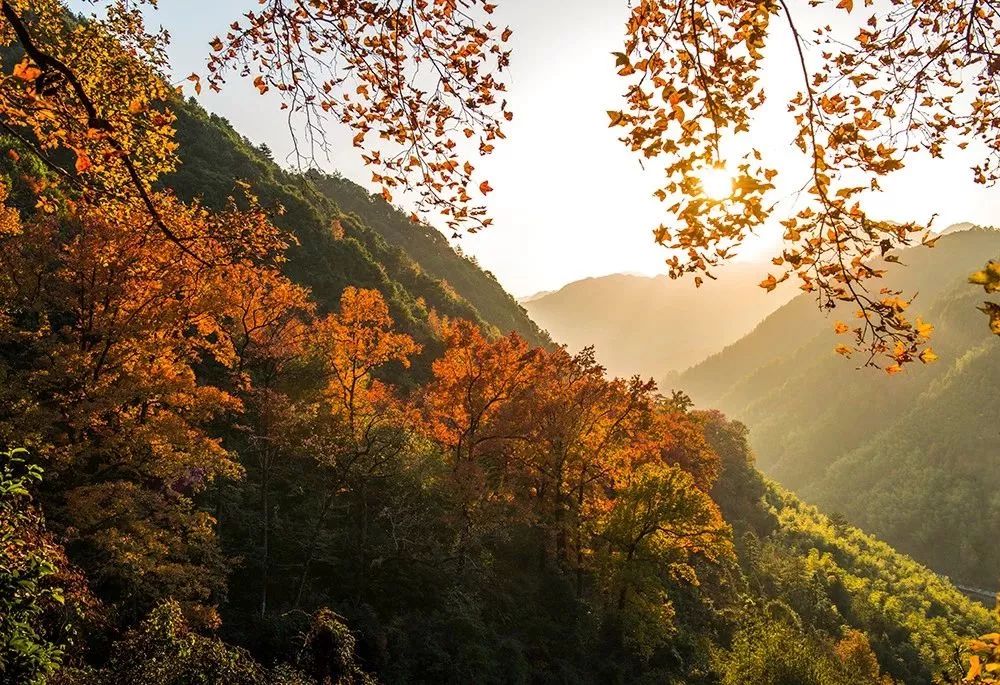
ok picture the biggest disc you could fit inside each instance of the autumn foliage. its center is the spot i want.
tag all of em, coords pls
(223, 450)
(911, 79)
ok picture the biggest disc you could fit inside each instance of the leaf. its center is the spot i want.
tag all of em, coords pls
(992, 310)
(975, 668)
(894, 369)
(840, 327)
(923, 329)
(928, 356)
(82, 162)
(485, 188)
(26, 71)
(847, 5)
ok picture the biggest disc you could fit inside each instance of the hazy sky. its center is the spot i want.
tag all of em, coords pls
(569, 200)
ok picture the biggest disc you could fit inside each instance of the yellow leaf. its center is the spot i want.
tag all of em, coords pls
(975, 668)
(840, 327)
(924, 329)
(928, 356)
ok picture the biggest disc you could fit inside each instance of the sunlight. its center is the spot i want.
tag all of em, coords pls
(716, 183)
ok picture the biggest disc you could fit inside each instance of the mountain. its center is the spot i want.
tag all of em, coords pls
(653, 325)
(345, 235)
(911, 458)
(690, 567)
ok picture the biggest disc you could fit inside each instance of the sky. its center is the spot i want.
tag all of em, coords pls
(570, 201)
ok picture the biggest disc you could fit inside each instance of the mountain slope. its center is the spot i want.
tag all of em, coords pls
(345, 236)
(651, 326)
(911, 458)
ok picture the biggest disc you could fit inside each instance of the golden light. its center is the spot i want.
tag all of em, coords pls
(716, 183)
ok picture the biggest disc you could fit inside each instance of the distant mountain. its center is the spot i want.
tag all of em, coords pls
(534, 296)
(654, 325)
(913, 458)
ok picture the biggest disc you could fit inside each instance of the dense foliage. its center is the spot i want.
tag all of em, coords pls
(276, 450)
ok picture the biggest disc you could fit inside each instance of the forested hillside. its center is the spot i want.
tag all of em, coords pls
(258, 429)
(345, 236)
(909, 457)
(651, 326)
(243, 476)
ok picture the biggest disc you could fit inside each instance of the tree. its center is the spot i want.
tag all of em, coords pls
(658, 522)
(421, 77)
(914, 78)
(41, 595)
(356, 424)
(106, 331)
(472, 409)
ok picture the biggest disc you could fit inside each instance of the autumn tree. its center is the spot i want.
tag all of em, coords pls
(583, 429)
(355, 425)
(106, 328)
(911, 79)
(473, 408)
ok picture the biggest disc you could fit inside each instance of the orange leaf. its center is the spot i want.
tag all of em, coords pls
(82, 162)
(26, 71)
(484, 187)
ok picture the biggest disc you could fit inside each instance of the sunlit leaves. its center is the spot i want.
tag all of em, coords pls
(992, 310)
(91, 88)
(984, 662)
(410, 80)
(915, 78)
(989, 277)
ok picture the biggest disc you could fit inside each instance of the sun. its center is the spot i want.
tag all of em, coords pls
(716, 183)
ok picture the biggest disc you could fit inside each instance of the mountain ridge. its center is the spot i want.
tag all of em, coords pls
(650, 325)
(907, 457)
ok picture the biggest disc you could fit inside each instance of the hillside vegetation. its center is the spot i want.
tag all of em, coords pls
(345, 236)
(250, 477)
(910, 457)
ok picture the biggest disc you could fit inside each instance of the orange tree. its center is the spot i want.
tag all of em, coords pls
(412, 80)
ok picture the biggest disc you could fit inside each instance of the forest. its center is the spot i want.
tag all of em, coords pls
(259, 425)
